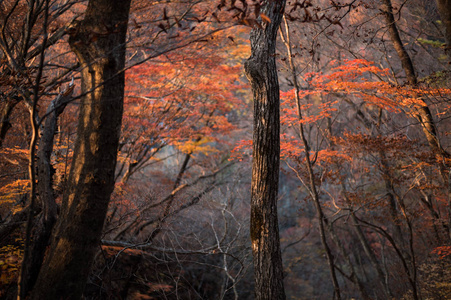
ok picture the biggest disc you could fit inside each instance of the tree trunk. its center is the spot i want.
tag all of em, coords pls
(262, 73)
(99, 43)
(311, 186)
(423, 114)
(444, 9)
(43, 225)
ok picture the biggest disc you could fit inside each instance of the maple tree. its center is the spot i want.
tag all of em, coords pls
(351, 82)
(219, 124)
(369, 91)
(180, 117)
(190, 113)
(299, 119)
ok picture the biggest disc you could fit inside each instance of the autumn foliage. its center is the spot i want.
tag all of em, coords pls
(358, 156)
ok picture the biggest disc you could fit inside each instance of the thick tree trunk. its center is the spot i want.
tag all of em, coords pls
(99, 43)
(262, 73)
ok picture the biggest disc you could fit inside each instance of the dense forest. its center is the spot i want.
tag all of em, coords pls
(226, 149)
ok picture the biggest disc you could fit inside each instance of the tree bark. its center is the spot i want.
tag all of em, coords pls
(99, 43)
(423, 114)
(43, 225)
(262, 73)
(444, 9)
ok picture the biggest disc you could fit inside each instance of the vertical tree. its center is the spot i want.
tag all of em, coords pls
(99, 43)
(262, 73)
(444, 9)
(311, 186)
(423, 114)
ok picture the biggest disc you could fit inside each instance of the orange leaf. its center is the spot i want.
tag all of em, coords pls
(265, 18)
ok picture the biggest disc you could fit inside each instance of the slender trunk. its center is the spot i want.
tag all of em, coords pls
(427, 201)
(167, 210)
(444, 9)
(413, 276)
(404, 262)
(312, 185)
(370, 254)
(396, 211)
(27, 276)
(423, 114)
(99, 43)
(392, 206)
(354, 276)
(42, 227)
(262, 73)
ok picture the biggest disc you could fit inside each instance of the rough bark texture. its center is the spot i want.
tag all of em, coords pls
(43, 225)
(99, 43)
(444, 9)
(397, 43)
(262, 73)
(423, 114)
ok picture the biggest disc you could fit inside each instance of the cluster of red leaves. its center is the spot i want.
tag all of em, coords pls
(355, 80)
(312, 111)
(363, 80)
(442, 251)
(183, 100)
